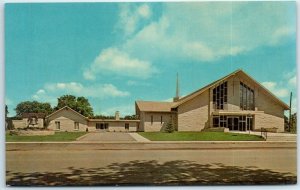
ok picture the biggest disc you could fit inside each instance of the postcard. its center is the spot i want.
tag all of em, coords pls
(151, 93)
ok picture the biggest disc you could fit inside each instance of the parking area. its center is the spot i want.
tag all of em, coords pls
(107, 136)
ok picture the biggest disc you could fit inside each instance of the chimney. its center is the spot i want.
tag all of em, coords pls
(117, 115)
(176, 98)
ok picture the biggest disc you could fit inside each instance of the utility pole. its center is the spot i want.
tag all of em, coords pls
(290, 115)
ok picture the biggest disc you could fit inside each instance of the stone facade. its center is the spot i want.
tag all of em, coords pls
(155, 121)
(193, 114)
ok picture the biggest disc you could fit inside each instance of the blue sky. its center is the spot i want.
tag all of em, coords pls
(116, 53)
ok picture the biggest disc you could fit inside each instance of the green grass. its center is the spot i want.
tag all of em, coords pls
(58, 136)
(199, 136)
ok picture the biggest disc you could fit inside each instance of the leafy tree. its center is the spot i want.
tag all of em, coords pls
(6, 119)
(286, 123)
(79, 104)
(103, 117)
(33, 107)
(293, 123)
(293, 128)
(6, 112)
(130, 117)
(169, 128)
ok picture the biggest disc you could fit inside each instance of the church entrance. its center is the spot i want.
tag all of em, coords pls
(234, 122)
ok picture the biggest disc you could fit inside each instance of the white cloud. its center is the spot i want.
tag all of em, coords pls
(130, 17)
(114, 61)
(281, 33)
(89, 75)
(144, 11)
(208, 31)
(273, 87)
(203, 32)
(108, 90)
(52, 91)
(293, 81)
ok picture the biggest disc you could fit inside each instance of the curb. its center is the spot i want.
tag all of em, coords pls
(62, 146)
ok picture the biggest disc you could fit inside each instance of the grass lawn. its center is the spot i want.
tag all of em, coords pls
(199, 136)
(59, 136)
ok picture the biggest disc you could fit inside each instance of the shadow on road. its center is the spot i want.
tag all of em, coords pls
(179, 172)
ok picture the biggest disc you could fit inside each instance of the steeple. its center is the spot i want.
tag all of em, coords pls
(176, 98)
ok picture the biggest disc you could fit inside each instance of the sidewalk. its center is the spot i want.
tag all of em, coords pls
(138, 137)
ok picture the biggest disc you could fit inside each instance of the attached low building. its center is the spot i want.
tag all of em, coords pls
(67, 119)
(236, 101)
(154, 116)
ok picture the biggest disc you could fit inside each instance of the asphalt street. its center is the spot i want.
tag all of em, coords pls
(122, 167)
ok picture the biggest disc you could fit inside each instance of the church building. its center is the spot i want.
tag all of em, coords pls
(234, 102)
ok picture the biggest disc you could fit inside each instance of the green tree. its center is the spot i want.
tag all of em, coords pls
(6, 112)
(33, 107)
(169, 128)
(103, 117)
(293, 123)
(79, 104)
(130, 117)
(286, 124)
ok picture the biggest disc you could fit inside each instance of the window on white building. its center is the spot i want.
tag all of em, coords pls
(57, 125)
(76, 126)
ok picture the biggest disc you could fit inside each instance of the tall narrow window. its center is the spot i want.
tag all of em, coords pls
(106, 126)
(76, 126)
(246, 97)
(220, 96)
(151, 119)
(161, 119)
(98, 125)
(57, 125)
(126, 126)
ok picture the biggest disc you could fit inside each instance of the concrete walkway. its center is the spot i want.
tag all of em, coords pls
(138, 137)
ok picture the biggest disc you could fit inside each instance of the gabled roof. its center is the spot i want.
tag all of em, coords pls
(151, 106)
(239, 71)
(67, 108)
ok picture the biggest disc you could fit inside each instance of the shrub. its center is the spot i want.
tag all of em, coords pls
(169, 128)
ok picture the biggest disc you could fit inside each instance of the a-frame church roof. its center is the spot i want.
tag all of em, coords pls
(240, 72)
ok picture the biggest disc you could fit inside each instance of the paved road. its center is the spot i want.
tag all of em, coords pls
(107, 136)
(96, 167)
